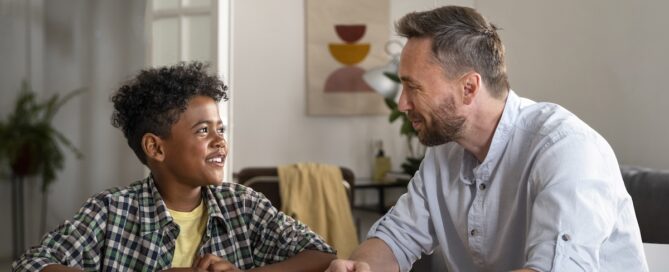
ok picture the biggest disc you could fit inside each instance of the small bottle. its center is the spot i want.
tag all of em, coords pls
(381, 165)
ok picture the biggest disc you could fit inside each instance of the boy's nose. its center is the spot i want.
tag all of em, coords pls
(220, 143)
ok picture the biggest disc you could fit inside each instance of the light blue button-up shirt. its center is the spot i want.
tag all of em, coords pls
(548, 196)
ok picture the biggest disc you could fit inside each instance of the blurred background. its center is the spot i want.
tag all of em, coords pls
(604, 60)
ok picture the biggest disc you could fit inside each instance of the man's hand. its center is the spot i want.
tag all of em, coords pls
(214, 263)
(373, 253)
(348, 266)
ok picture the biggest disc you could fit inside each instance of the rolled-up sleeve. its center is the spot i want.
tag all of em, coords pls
(406, 228)
(276, 236)
(578, 194)
(74, 243)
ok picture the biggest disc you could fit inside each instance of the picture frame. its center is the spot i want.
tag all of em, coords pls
(344, 39)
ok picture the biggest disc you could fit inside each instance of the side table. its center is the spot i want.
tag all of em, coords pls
(380, 189)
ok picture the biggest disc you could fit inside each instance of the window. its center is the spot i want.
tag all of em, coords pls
(188, 30)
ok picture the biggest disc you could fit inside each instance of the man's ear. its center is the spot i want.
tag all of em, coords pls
(471, 83)
(153, 147)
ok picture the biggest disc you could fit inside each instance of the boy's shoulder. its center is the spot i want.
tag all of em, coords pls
(136, 189)
(141, 188)
(235, 190)
(234, 198)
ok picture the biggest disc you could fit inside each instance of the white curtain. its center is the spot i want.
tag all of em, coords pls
(61, 46)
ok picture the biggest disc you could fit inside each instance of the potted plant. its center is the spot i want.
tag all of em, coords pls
(31, 146)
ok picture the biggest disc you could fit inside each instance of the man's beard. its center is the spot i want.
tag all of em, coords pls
(445, 126)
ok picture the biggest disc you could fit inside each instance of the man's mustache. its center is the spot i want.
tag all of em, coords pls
(414, 116)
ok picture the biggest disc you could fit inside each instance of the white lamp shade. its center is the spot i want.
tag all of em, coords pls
(383, 85)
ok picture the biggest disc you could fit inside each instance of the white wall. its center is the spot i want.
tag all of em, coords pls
(269, 95)
(603, 60)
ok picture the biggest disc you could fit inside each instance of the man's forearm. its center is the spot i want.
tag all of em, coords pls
(307, 261)
(377, 254)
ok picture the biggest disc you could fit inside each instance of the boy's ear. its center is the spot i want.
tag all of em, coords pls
(472, 85)
(153, 147)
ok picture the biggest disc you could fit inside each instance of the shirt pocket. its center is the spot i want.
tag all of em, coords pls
(569, 256)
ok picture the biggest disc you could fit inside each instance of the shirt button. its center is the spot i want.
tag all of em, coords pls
(482, 186)
(566, 237)
(473, 232)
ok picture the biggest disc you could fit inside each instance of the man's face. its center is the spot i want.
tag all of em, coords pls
(428, 97)
(195, 151)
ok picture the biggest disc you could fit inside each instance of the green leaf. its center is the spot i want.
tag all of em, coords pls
(53, 108)
(68, 144)
(391, 104)
(406, 129)
(394, 115)
(392, 76)
(29, 143)
(411, 165)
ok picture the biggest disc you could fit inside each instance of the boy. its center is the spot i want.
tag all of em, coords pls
(182, 214)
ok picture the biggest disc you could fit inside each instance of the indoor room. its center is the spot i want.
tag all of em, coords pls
(311, 83)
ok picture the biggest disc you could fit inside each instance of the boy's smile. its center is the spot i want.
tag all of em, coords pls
(195, 151)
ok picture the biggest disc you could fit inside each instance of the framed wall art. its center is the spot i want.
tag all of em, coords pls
(344, 39)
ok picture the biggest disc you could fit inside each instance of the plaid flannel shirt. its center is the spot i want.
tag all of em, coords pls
(129, 228)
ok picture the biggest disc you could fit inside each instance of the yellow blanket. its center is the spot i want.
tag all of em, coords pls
(314, 194)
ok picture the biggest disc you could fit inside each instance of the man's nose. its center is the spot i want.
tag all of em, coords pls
(403, 104)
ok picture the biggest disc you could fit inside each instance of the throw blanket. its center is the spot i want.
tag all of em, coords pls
(314, 194)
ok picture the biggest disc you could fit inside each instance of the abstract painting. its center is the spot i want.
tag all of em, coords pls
(344, 39)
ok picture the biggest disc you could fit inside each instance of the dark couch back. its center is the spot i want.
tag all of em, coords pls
(650, 193)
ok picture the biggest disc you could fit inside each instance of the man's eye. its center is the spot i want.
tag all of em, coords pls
(408, 87)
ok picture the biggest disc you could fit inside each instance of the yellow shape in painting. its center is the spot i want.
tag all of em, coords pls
(349, 54)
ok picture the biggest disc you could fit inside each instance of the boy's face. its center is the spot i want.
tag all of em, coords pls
(195, 151)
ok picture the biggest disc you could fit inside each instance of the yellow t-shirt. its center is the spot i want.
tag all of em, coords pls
(191, 227)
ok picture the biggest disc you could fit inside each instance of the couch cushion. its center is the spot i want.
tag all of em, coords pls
(650, 193)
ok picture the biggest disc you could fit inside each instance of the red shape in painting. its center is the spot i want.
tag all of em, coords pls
(350, 33)
(347, 80)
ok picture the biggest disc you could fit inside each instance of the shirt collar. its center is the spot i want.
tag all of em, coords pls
(152, 209)
(471, 169)
(213, 207)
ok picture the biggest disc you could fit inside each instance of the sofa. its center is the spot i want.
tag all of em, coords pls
(649, 189)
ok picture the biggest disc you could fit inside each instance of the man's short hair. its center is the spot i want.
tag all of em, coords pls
(462, 41)
(153, 101)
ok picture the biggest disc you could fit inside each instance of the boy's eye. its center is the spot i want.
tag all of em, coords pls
(202, 130)
(221, 130)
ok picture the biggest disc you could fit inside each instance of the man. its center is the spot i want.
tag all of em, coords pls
(506, 183)
(181, 217)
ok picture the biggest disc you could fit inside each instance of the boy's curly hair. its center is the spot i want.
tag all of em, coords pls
(153, 101)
